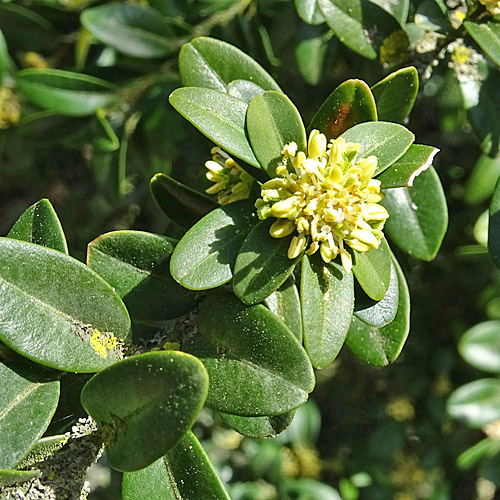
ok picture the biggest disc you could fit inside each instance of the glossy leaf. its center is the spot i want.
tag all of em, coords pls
(484, 449)
(487, 36)
(262, 265)
(184, 473)
(477, 403)
(259, 427)
(11, 477)
(244, 90)
(480, 346)
(349, 104)
(51, 306)
(494, 226)
(396, 94)
(150, 401)
(183, 205)
(204, 258)
(398, 9)
(273, 122)
(134, 30)
(310, 489)
(432, 17)
(481, 183)
(217, 115)
(136, 265)
(418, 216)
(404, 171)
(4, 57)
(327, 294)
(382, 345)
(27, 403)
(353, 23)
(373, 270)
(255, 364)
(387, 141)
(382, 312)
(308, 11)
(285, 304)
(207, 62)
(64, 92)
(39, 224)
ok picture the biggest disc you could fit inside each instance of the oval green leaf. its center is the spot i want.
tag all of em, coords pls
(395, 95)
(487, 36)
(4, 58)
(64, 92)
(373, 270)
(27, 403)
(204, 258)
(207, 62)
(218, 116)
(148, 402)
(477, 403)
(180, 203)
(39, 224)
(272, 123)
(398, 9)
(259, 427)
(327, 296)
(256, 365)
(244, 90)
(57, 311)
(387, 141)
(404, 171)
(184, 473)
(382, 345)
(134, 30)
(349, 104)
(309, 11)
(136, 265)
(262, 265)
(418, 216)
(480, 451)
(481, 183)
(480, 346)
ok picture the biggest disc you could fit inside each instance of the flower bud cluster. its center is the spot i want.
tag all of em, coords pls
(10, 111)
(231, 182)
(327, 198)
(492, 6)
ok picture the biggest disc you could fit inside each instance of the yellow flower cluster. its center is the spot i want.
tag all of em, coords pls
(400, 409)
(492, 6)
(328, 197)
(10, 111)
(231, 182)
(102, 342)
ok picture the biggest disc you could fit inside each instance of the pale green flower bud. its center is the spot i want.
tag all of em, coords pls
(281, 228)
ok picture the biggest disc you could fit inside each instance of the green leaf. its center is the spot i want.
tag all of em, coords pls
(373, 270)
(359, 24)
(494, 226)
(39, 224)
(183, 205)
(481, 183)
(349, 104)
(382, 345)
(395, 94)
(484, 449)
(398, 9)
(309, 11)
(11, 477)
(64, 92)
(134, 30)
(487, 36)
(204, 258)
(136, 265)
(477, 403)
(244, 90)
(387, 141)
(52, 305)
(327, 294)
(149, 402)
(262, 265)
(255, 364)
(404, 171)
(480, 346)
(218, 116)
(432, 17)
(382, 312)
(259, 427)
(418, 216)
(285, 304)
(214, 64)
(184, 473)
(273, 122)
(28, 401)
(4, 58)
(309, 489)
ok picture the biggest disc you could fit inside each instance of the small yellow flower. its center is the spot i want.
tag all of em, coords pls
(34, 60)
(400, 409)
(492, 6)
(10, 111)
(327, 197)
(461, 54)
(231, 182)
